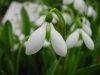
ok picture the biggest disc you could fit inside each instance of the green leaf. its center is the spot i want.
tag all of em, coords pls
(52, 69)
(88, 70)
(6, 36)
(58, 13)
(26, 22)
(72, 61)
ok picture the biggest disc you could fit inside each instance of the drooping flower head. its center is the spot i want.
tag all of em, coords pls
(38, 37)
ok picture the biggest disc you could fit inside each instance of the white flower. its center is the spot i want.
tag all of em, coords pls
(87, 29)
(91, 12)
(67, 2)
(64, 7)
(74, 38)
(80, 6)
(67, 18)
(37, 40)
(86, 26)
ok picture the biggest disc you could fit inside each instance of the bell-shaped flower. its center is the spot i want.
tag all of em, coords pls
(37, 40)
(86, 26)
(74, 38)
(91, 12)
(67, 18)
(80, 6)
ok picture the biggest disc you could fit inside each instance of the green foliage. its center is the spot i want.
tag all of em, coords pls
(26, 22)
(6, 35)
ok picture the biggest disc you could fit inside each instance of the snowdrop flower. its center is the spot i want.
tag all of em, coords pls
(67, 18)
(66, 2)
(91, 12)
(37, 39)
(80, 6)
(86, 26)
(74, 38)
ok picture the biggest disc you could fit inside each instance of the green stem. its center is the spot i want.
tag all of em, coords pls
(18, 60)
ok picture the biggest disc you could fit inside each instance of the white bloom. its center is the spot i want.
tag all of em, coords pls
(87, 29)
(13, 15)
(37, 40)
(64, 7)
(21, 37)
(80, 6)
(67, 18)
(67, 2)
(73, 39)
(86, 26)
(91, 12)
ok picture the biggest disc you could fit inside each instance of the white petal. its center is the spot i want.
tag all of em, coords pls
(80, 6)
(67, 1)
(46, 43)
(55, 18)
(64, 7)
(79, 43)
(67, 18)
(87, 29)
(86, 21)
(91, 12)
(36, 41)
(72, 39)
(58, 42)
(40, 21)
(88, 41)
